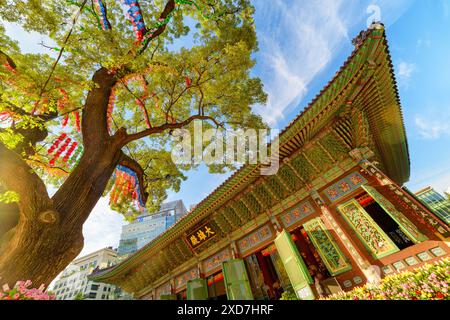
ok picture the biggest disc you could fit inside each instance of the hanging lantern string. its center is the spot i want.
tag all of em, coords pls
(71, 156)
(56, 143)
(101, 8)
(73, 159)
(148, 36)
(60, 151)
(137, 20)
(126, 181)
(110, 109)
(74, 21)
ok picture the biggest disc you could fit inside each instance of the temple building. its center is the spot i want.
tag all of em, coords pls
(334, 216)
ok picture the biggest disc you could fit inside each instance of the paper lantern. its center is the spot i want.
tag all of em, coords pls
(101, 11)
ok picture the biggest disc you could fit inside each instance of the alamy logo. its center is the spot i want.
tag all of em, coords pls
(375, 16)
(218, 146)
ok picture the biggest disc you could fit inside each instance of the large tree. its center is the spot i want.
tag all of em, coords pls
(129, 89)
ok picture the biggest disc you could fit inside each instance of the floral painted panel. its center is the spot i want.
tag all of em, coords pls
(181, 280)
(300, 212)
(255, 239)
(328, 250)
(345, 186)
(371, 235)
(214, 262)
(164, 289)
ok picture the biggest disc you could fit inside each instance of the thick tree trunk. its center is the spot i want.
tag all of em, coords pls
(48, 235)
(45, 242)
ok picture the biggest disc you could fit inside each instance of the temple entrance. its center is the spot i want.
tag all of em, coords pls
(385, 221)
(181, 295)
(216, 287)
(313, 261)
(267, 275)
(324, 282)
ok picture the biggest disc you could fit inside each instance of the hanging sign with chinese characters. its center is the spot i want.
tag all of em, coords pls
(201, 235)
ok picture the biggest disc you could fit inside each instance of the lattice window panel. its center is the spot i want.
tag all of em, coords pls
(242, 210)
(264, 196)
(276, 187)
(251, 201)
(320, 159)
(165, 261)
(170, 260)
(232, 217)
(334, 146)
(184, 249)
(303, 167)
(222, 223)
(289, 177)
(172, 254)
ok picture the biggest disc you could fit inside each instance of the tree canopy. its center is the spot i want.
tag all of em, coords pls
(95, 115)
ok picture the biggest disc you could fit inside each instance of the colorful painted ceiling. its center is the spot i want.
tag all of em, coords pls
(359, 108)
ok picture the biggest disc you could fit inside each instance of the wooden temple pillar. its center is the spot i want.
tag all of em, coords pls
(172, 286)
(201, 273)
(234, 250)
(430, 224)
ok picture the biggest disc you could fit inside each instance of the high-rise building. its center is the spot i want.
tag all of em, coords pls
(147, 226)
(74, 284)
(436, 202)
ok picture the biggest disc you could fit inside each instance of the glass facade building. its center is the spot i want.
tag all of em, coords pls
(436, 202)
(147, 226)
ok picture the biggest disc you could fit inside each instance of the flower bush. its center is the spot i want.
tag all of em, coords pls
(22, 291)
(288, 295)
(429, 282)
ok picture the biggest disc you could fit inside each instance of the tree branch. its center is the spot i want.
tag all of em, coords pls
(168, 9)
(66, 39)
(94, 118)
(8, 60)
(167, 126)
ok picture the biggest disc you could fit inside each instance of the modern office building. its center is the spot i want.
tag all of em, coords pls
(436, 202)
(147, 226)
(333, 217)
(74, 284)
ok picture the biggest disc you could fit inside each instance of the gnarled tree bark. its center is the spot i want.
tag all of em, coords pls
(48, 235)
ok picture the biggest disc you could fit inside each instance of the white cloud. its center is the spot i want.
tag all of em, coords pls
(295, 46)
(405, 71)
(432, 129)
(298, 39)
(423, 43)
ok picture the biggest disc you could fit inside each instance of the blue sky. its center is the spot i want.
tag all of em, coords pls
(302, 44)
